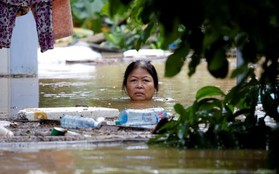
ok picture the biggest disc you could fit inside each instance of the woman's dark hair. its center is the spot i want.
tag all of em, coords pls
(144, 65)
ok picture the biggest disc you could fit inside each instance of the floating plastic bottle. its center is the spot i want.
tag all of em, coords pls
(79, 122)
(138, 117)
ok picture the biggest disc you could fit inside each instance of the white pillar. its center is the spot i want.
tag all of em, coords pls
(17, 63)
(23, 52)
(4, 84)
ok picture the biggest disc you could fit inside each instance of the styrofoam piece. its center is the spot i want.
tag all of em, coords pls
(57, 112)
(5, 132)
(4, 123)
(146, 53)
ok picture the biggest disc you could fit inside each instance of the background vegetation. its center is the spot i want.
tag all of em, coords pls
(204, 29)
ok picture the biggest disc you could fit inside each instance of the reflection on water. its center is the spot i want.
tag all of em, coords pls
(101, 86)
(133, 158)
(18, 93)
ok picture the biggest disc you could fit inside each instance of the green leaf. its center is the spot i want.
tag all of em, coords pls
(209, 103)
(194, 62)
(147, 31)
(240, 70)
(181, 132)
(218, 65)
(115, 6)
(145, 35)
(209, 91)
(176, 61)
(179, 109)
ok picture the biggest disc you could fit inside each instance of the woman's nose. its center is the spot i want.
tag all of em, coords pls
(139, 85)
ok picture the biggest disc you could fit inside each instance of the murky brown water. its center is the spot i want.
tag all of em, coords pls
(86, 84)
(101, 86)
(133, 158)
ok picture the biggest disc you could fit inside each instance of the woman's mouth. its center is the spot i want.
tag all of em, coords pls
(139, 93)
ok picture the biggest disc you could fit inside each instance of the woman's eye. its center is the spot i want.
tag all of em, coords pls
(133, 80)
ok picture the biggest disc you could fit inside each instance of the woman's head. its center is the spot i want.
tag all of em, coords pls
(140, 80)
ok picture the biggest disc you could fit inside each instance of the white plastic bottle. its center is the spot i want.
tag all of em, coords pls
(137, 117)
(78, 122)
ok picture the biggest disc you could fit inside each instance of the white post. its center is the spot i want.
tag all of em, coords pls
(16, 64)
(23, 52)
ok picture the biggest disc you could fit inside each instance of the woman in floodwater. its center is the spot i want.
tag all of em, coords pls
(141, 84)
(140, 81)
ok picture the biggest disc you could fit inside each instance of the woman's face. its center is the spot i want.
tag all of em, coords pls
(140, 85)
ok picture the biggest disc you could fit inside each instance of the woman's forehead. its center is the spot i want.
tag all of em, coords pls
(139, 72)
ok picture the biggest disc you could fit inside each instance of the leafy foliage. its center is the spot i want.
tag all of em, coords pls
(86, 14)
(219, 120)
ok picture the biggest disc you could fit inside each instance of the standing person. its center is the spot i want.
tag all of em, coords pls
(140, 80)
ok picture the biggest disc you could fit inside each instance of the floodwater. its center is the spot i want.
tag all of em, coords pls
(130, 158)
(100, 85)
(68, 85)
